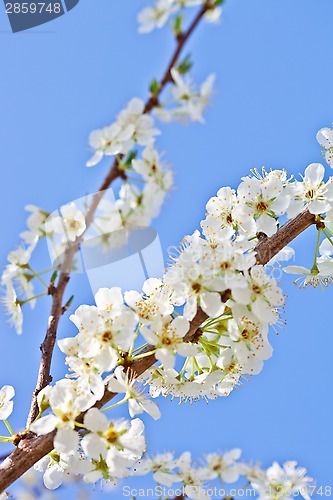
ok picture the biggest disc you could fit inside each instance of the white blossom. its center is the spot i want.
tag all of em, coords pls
(325, 139)
(7, 393)
(137, 401)
(157, 16)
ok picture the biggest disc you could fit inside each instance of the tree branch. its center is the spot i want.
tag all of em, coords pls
(31, 449)
(44, 377)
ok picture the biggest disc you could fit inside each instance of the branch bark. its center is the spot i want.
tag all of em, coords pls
(44, 376)
(31, 449)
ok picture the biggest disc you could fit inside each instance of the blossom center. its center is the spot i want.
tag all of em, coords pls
(196, 287)
(261, 206)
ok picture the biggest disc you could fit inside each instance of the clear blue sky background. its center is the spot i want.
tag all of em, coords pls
(274, 91)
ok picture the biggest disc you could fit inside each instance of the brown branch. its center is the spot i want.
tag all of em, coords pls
(31, 449)
(182, 39)
(44, 377)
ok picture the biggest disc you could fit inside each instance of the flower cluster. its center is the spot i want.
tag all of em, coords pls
(215, 271)
(131, 127)
(135, 207)
(186, 102)
(131, 138)
(95, 449)
(216, 475)
(274, 483)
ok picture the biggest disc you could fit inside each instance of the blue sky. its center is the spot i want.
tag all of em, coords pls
(274, 91)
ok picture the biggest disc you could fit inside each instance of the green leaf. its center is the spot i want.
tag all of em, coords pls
(177, 25)
(154, 87)
(185, 65)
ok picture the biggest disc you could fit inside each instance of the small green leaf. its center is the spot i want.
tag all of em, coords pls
(177, 25)
(154, 87)
(54, 277)
(185, 65)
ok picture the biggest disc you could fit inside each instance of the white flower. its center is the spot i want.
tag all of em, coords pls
(224, 466)
(127, 437)
(67, 400)
(70, 225)
(213, 15)
(103, 331)
(225, 216)
(155, 17)
(137, 401)
(132, 126)
(283, 482)
(319, 275)
(18, 261)
(264, 199)
(189, 102)
(161, 465)
(35, 223)
(248, 334)
(7, 392)
(151, 169)
(109, 141)
(261, 293)
(168, 337)
(191, 478)
(13, 307)
(153, 303)
(325, 139)
(134, 115)
(313, 191)
(18, 272)
(56, 467)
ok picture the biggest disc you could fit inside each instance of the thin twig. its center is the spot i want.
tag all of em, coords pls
(31, 449)
(44, 376)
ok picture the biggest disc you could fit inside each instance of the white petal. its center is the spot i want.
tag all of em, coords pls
(152, 409)
(314, 174)
(106, 298)
(325, 137)
(296, 270)
(230, 475)
(319, 206)
(95, 159)
(166, 357)
(6, 410)
(93, 446)
(66, 440)
(95, 421)
(266, 225)
(44, 425)
(211, 303)
(326, 248)
(53, 477)
(115, 386)
(7, 392)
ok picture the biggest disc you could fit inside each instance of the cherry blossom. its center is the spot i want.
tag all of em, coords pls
(7, 393)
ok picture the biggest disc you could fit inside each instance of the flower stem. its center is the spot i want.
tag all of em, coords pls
(121, 402)
(314, 268)
(10, 430)
(36, 275)
(144, 355)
